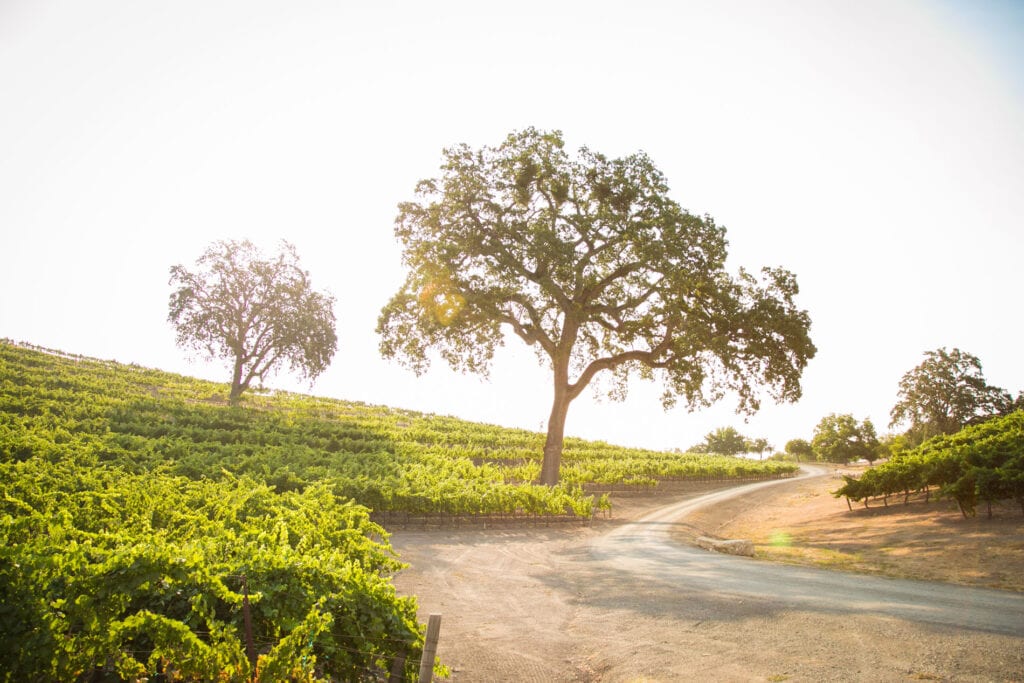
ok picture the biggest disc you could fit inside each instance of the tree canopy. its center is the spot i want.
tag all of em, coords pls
(840, 439)
(255, 312)
(588, 260)
(946, 392)
(724, 441)
(799, 448)
(758, 445)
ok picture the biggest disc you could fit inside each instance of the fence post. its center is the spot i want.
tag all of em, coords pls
(430, 648)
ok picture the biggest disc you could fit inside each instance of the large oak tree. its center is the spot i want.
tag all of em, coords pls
(588, 260)
(255, 312)
(945, 393)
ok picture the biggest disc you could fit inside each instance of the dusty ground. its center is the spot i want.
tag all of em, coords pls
(807, 525)
(527, 604)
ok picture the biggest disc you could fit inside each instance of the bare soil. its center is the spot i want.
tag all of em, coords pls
(527, 604)
(805, 524)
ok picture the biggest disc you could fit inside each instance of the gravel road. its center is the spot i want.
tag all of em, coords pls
(644, 548)
(620, 601)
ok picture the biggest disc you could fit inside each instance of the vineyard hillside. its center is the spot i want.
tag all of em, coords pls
(148, 528)
(391, 460)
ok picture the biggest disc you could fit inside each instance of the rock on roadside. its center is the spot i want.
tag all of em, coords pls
(730, 547)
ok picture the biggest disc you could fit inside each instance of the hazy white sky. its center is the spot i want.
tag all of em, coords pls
(876, 149)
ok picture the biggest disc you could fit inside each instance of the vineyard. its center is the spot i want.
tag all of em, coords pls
(147, 528)
(982, 464)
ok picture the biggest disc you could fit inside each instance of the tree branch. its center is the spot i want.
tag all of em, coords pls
(649, 358)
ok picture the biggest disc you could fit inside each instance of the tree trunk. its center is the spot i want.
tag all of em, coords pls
(556, 432)
(549, 470)
(236, 382)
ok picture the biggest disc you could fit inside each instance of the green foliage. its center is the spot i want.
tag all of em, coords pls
(725, 441)
(840, 439)
(784, 457)
(588, 260)
(256, 313)
(893, 445)
(113, 573)
(979, 464)
(137, 506)
(946, 392)
(758, 445)
(799, 449)
(387, 459)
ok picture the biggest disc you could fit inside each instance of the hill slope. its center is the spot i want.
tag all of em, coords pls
(149, 529)
(53, 404)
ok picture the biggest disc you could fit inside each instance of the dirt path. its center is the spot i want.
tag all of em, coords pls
(805, 524)
(543, 604)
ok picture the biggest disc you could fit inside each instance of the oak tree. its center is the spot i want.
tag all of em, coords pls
(841, 439)
(255, 312)
(725, 441)
(591, 262)
(759, 446)
(799, 448)
(945, 393)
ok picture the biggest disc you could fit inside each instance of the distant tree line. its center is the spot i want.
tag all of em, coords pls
(941, 396)
(728, 441)
(963, 440)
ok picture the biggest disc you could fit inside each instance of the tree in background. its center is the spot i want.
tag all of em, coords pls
(800, 449)
(893, 445)
(590, 262)
(255, 312)
(945, 393)
(758, 446)
(840, 439)
(723, 441)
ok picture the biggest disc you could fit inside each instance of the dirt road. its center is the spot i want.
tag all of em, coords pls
(620, 601)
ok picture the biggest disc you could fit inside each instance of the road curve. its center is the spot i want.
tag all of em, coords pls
(645, 547)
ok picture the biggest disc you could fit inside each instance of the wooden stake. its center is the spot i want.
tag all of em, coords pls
(430, 649)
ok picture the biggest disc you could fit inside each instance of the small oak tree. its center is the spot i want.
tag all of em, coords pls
(799, 448)
(840, 439)
(588, 260)
(724, 441)
(759, 446)
(945, 393)
(257, 313)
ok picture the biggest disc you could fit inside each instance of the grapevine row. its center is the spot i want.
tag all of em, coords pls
(980, 464)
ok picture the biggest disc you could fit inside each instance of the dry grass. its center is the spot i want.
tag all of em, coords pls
(804, 524)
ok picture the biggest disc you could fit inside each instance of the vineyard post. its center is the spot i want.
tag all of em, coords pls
(430, 648)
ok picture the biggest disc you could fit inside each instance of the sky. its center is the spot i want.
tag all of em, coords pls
(875, 149)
